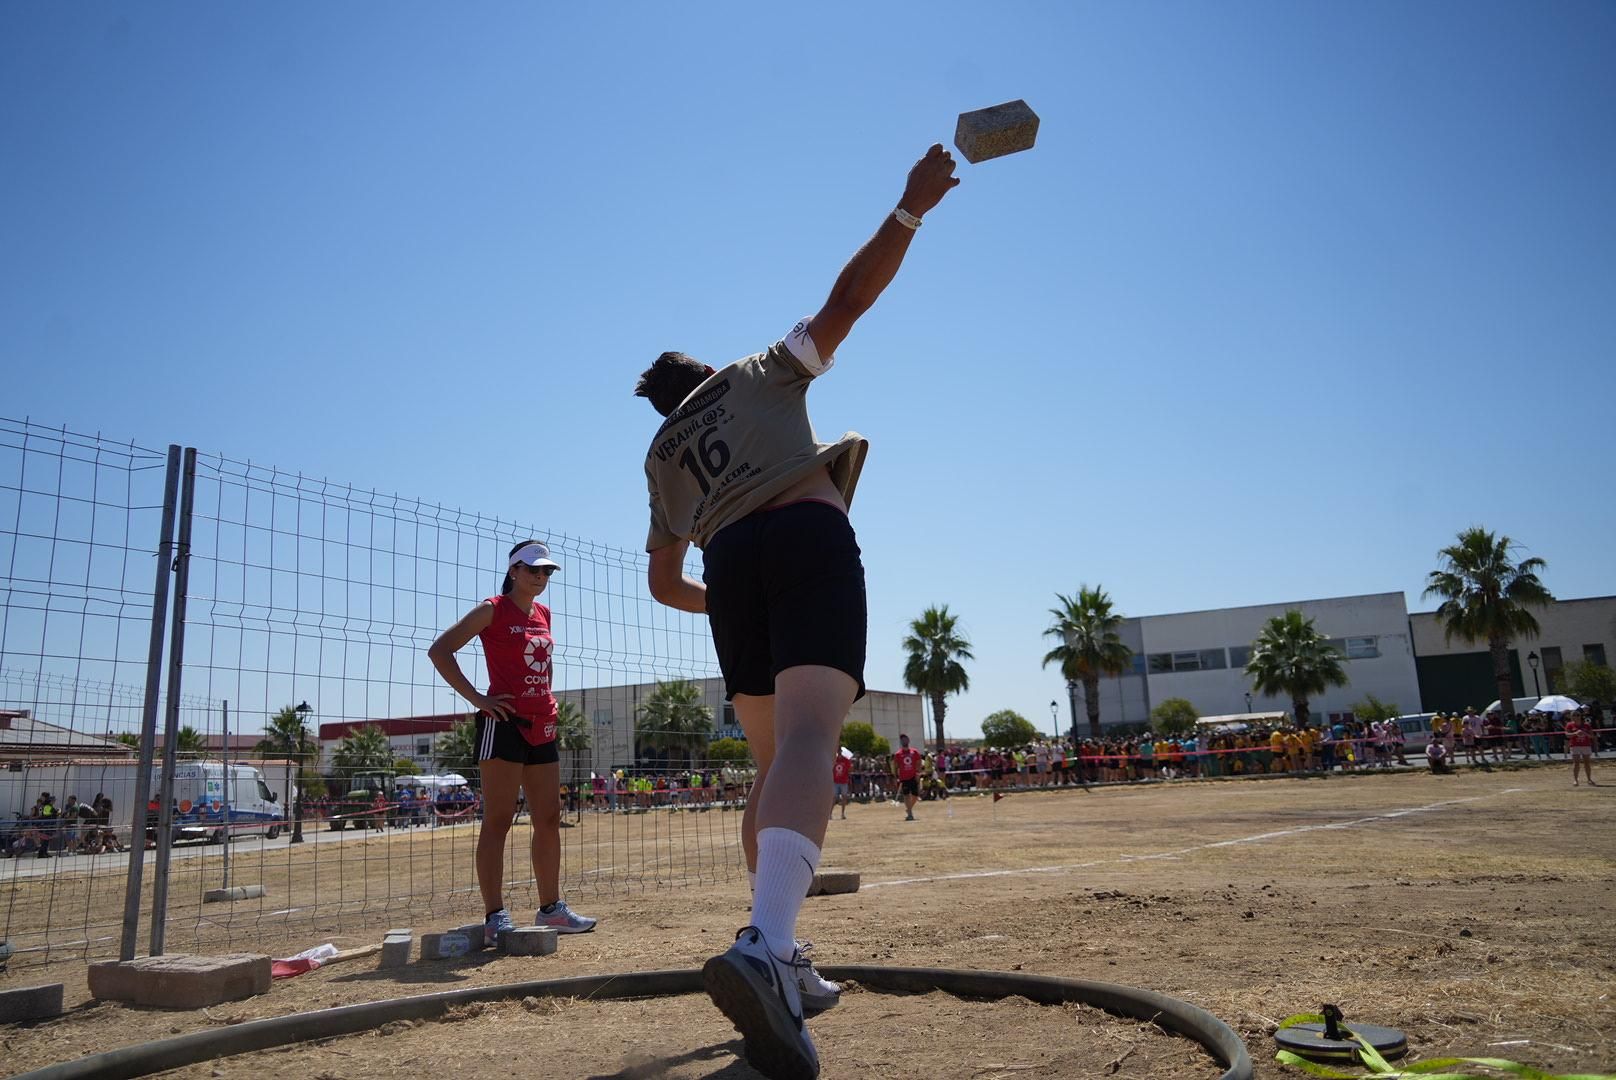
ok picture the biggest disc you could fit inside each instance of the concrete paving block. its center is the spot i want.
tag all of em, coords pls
(178, 981)
(814, 886)
(528, 941)
(474, 935)
(396, 948)
(996, 131)
(235, 892)
(833, 882)
(30, 1003)
(445, 946)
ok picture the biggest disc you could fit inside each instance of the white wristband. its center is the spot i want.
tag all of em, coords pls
(906, 219)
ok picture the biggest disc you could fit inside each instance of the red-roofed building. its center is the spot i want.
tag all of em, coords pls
(410, 737)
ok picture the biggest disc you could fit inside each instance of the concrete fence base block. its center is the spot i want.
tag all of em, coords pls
(178, 981)
(446, 946)
(474, 935)
(528, 941)
(396, 948)
(30, 1003)
(235, 892)
(833, 882)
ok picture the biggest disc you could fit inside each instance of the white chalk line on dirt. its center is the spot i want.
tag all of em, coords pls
(1255, 838)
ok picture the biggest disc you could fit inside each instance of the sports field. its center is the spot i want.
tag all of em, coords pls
(1477, 912)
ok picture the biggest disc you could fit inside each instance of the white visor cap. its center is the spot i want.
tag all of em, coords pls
(534, 554)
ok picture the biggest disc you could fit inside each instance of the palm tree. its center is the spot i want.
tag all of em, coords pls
(673, 719)
(1086, 627)
(1485, 596)
(363, 750)
(456, 749)
(572, 735)
(189, 742)
(286, 737)
(1291, 657)
(936, 647)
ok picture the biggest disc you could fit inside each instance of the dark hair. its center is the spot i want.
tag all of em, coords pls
(669, 381)
(520, 544)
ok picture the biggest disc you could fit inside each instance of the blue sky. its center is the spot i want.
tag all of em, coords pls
(1286, 295)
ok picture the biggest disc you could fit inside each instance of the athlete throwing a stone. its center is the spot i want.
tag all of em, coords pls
(737, 470)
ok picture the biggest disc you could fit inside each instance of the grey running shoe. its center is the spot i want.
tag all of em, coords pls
(817, 992)
(563, 920)
(759, 995)
(499, 920)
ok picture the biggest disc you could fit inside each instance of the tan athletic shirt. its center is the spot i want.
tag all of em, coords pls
(740, 438)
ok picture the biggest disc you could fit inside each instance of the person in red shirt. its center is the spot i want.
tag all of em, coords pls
(841, 776)
(516, 734)
(1579, 736)
(907, 763)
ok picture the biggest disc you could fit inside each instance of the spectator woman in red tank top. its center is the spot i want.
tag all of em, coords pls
(1579, 736)
(516, 734)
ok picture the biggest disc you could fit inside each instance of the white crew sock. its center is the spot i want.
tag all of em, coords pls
(751, 881)
(786, 864)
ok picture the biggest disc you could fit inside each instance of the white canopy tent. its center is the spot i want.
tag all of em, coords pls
(432, 783)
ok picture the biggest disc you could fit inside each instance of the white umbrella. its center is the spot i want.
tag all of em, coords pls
(1556, 703)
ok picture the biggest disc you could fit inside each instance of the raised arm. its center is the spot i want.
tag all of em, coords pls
(875, 264)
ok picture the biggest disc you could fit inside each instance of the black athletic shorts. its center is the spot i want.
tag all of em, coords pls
(785, 587)
(910, 786)
(501, 739)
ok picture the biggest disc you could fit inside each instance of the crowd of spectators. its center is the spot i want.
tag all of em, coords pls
(49, 830)
(1233, 750)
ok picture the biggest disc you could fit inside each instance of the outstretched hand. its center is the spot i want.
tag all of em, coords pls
(930, 179)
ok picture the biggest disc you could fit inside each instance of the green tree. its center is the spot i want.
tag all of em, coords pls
(404, 767)
(128, 738)
(1175, 716)
(729, 752)
(189, 742)
(1291, 658)
(936, 646)
(287, 737)
(1007, 730)
(1374, 710)
(363, 750)
(1486, 596)
(859, 737)
(1588, 682)
(1086, 627)
(572, 730)
(673, 719)
(456, 749)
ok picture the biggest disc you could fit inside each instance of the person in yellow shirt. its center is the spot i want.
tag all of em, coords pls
(1295, 751)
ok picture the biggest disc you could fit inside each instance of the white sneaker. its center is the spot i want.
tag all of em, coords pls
(817, 992)
(759, 995)
(564, 920)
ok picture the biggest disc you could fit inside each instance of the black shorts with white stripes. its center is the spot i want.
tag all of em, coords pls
(501, 739)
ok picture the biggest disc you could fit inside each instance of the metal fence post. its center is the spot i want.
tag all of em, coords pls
(148, 719)
(225, 884)
(171, 725)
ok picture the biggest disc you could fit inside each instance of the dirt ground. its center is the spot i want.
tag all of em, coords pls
(1477, 912)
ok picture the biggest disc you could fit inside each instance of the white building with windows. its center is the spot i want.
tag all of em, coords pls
(610, 712)
(1201, 656)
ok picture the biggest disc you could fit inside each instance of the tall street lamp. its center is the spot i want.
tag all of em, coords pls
(1248, 702)
(1054, 718)
(302, 711)
(1071, 695)
(1531, 658)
